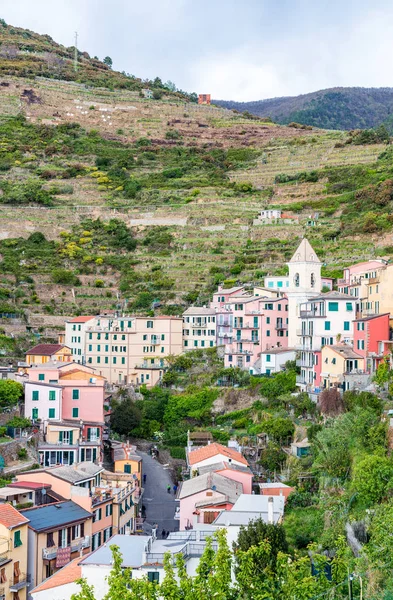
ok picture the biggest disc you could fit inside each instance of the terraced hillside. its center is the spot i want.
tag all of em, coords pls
(110, 200)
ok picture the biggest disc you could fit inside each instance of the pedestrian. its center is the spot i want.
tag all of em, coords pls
(168, 488)
(174, 489)
(163, 535)
(144, 478)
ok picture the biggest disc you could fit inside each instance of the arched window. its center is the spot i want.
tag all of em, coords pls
(312, 280)
(296, 280)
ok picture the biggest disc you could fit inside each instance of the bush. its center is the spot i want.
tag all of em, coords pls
(22, 453)
(178, 452)
(64, 277)
(172, 134)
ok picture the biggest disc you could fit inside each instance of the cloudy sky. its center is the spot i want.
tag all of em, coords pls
(234, 49)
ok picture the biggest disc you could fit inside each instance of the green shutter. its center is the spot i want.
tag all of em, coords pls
(60, 436)
(88, 434)
(71, 437)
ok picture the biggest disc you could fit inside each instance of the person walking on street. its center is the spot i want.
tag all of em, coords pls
(174, 489)
(168, 488)
(144, 478)
(163, 535)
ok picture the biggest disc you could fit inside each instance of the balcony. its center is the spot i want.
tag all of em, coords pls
(50, 553)
(20, 582)
(300, 362)
(155, 340)
(147, 366)
(238, 352)
(301, 380)
(124, 493)
(302, 333)
(311, 314)
(280, 326)
(4, 556)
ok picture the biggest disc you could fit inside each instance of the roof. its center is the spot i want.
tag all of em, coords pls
(274, 484)
(303, 444)
(211, 481)
(80, 319)
(46, 349)
(10, 517)
(305, 253)
(238, 517)
(345, 351)
(221, 466)
(84, 471)
(122, 452)
(200, 454)
(373, 317)
(11, 491)
(333, 295)
(199, 310)
(200, 435)
(258, 503)
(30, 485)
(54, 515)
(132, 548)
(67, 574)
(278, 350)
(230, 290)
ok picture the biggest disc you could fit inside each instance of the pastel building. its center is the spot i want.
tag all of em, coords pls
(341, 366)
(43, 353)
(370, 283)
(372, 339)
(273, 360)
(324, 321)
(14, 578)
(75, 337)
(199, 328)
(68, 400)
(130, 349)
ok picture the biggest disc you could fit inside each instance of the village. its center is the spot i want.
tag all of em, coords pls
(91, 490)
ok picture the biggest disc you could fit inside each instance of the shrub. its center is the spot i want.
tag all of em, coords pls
(172, 134)
(64, 277)
(22, 453)
(178, 452)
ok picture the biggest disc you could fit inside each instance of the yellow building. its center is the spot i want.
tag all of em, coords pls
(338, 361)
(43, 353)
(13, 553)
(126, 460)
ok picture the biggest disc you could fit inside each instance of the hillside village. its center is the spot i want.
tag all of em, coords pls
(196, 342)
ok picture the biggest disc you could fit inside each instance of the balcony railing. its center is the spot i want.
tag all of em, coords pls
(4, 556)
(49, 553)
(300, 380)
(147, 366)
(190, 550)
(20, 582)
(282, 326)
(124, 493)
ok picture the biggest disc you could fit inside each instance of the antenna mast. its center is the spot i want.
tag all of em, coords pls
(76, 52)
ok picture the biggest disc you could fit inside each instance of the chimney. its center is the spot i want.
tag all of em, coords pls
(270, 510)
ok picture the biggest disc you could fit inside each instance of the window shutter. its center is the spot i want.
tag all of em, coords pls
(59, 539)
(82, 530)
(73, 532)
(94, 454)
(98, 432)
(68, 536)
(88, 434)
(71, 437)
(60, 436)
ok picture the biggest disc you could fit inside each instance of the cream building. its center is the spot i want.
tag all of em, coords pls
(132, 349)
(13, 553)
(199, 328)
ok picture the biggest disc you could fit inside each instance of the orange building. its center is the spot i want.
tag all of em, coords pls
(43, 353)
(204, 99)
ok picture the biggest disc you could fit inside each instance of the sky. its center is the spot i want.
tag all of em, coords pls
(233, 49)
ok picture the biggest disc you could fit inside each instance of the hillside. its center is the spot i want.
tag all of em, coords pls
(112, 200)
(334, 108)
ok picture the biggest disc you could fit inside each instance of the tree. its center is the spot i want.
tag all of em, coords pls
(272, 458)
(256, 532)
(373, 478)
(125, 417)
(108, 61)
(157, 94)
(169, 85)
(10, 392)
(331, 402)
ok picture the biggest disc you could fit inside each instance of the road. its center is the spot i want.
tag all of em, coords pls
(160, 506)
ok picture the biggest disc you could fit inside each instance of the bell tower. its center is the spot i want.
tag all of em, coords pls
(304, 283)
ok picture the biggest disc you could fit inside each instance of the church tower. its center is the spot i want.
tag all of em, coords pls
(304, 283)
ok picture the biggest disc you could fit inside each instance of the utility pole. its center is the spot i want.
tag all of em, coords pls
(76, 52)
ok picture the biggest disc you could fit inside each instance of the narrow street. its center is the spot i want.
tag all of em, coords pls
(160, 506)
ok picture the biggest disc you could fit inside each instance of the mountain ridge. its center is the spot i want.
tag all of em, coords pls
(343, 108)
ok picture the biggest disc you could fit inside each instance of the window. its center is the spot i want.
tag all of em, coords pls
(90, 347)
(108, 510)
(296, 280)
(123, 360)
(196, 343)
(360, 344)
(346, 325)
(153, 576)
(75, 394)
(149, 324)
(75, 413)
(279, 306)
(52, 413)
(3, 577)
(17, 540)
(333, 361)
(268, 333)
(34, 413)
(106, 360)
(211, 344)
(90, 336)
(52, 395)
(186, 343)
(98, 359)
(360, 326)
(36, 395)
(97, 515)
(49, 540)
(267, 357)
(333, 306)
(230, 358)
(145, 337)
(41, 377)
(349, 305)
(312, 281)
(267, 320)
(98, 347)
(327, 325)
(163, 337)
(127, 468)
(114, 360)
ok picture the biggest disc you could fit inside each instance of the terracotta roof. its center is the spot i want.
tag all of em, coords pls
(31, 485)
(10, 517)
(46, 349)
(372, 317)
(67, 574)
(215, 449)
(80, 319)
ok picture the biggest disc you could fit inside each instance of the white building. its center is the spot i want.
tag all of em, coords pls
(304, 283)
(199, 328)
(43, 401)
(273, 360)
(324, 321)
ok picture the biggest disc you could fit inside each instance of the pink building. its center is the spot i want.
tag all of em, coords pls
(211, 455)
(275, 489)
(239, 473)
(371, 339)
